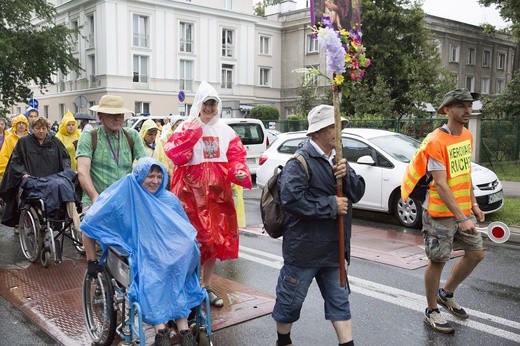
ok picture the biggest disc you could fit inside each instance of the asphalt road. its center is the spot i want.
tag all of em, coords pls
(387, 301)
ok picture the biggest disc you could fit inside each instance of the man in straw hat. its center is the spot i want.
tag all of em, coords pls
(450, 209)
(310, 234)
(104, 156)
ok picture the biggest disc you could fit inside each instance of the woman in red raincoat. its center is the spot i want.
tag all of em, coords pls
(209, 157)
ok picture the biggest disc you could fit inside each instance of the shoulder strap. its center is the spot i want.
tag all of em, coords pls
(93, 139)
(130, 142)
(303, 162)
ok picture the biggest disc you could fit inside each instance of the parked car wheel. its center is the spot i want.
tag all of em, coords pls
(408, 213)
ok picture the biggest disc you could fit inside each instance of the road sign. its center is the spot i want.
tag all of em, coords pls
(33, 103)
(181, 96)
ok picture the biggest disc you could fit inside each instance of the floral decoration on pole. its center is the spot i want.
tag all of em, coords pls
(347, 62)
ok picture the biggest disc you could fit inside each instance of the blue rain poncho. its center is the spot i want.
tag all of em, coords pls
(154, 230)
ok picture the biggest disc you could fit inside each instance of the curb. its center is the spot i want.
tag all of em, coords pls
(514, 238)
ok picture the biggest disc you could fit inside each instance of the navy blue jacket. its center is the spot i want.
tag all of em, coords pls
(310, 235)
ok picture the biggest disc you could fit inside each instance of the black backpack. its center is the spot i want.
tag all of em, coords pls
(270, 206)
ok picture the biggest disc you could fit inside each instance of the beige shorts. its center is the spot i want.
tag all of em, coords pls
(443, 234)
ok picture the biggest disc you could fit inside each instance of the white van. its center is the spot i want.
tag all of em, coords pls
(254, 138)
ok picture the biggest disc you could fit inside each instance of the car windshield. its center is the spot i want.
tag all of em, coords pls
(398, 146)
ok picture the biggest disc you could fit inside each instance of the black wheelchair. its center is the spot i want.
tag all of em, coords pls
(108, 311)
(43, 229)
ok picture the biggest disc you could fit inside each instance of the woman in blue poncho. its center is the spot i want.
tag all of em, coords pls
(140, 216)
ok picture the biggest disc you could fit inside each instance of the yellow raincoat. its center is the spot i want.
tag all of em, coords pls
(69, 140)
(10, 141)
(157, 152)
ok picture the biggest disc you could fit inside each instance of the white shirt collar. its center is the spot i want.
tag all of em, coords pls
(322, 153)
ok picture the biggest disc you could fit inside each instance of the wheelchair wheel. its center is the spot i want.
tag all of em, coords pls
(30, 234)
(46, 257)
(201, 335)
(98, 308)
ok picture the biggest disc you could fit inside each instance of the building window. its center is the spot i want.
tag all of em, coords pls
(265, 45)
(470, 83)
(454, 53)
(484, 85)
(140, 69)
(312, 44)
(228, 43)
(499, 89)
(437, 44)
(141, 27)
(311, 78)
(186, 37)
(91, 31)
(186, 75)
(455, 78)
(228, 4)
(227, 77)
(470, 59)
(142, 108)
(486, 58)
(501, 61)
(91, 66)
(74, 37)
(265, 76)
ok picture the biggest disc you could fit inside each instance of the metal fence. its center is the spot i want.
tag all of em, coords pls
(500, 138)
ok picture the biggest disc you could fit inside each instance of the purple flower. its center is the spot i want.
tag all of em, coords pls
(335, 53)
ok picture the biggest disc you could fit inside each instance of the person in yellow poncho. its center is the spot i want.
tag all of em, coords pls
(153, 146)
(68, 134)
(19, 129)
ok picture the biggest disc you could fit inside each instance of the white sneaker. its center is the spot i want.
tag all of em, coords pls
(437, 322)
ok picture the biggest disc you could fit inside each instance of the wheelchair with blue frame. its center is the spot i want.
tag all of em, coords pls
(108, 311)
(49, 213)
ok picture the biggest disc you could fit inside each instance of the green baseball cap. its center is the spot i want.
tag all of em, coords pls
(455, 96)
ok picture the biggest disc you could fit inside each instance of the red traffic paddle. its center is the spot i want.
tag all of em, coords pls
(497, 231)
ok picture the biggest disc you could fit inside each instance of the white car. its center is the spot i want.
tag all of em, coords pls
(381, 157)
(253, 136)
(271, 135)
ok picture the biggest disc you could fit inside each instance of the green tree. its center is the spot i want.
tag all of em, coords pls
(510, 11)
(405, 58)
(506, 104)
(306, 98)
(259, 7)
(264, 113)
(29, 52)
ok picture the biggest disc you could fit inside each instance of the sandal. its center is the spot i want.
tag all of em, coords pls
(214, 300)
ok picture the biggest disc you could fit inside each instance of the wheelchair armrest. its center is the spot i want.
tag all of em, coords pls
(118, 266)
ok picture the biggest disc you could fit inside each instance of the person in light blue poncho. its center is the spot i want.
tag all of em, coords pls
(138, 215)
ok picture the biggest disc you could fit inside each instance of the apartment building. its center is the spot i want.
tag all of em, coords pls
(148, 51)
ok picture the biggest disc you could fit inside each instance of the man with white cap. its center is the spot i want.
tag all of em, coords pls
(105, 156)
(310, 234)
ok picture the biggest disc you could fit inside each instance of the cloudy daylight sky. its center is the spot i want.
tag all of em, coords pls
(466, 11)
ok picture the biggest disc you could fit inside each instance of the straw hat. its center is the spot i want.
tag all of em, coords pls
(110, 104)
